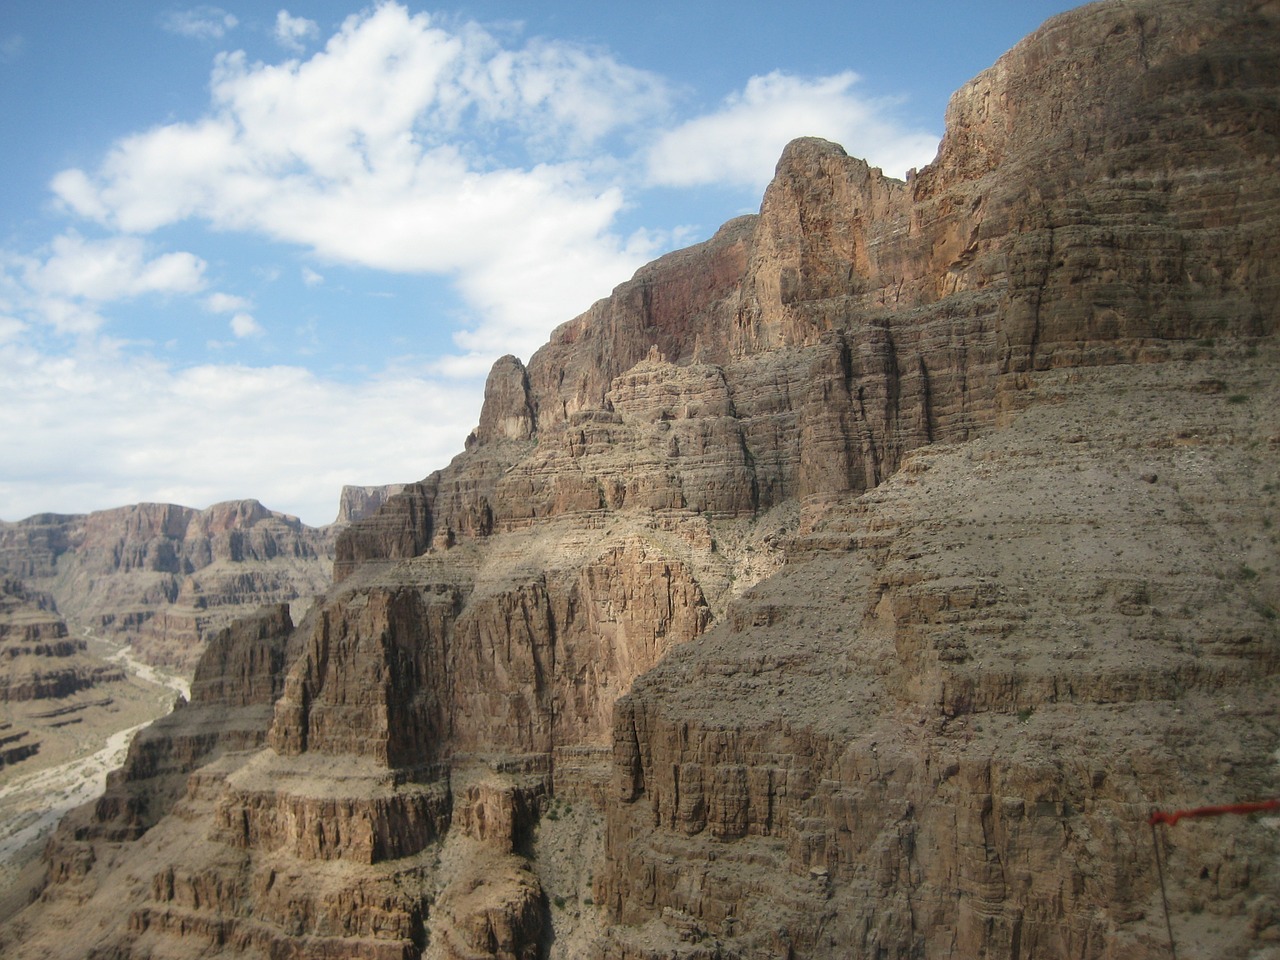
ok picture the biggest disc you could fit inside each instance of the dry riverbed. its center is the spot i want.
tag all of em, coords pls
(82, 738)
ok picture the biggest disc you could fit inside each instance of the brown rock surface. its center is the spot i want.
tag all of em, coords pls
(853, 584)
(39, 662)
(356, 503)
(163, 577)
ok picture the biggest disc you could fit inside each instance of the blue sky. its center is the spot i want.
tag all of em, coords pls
(255, 251)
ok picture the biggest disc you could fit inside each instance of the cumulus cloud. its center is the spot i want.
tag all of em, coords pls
(67, 284)
(741, 141)
(200, 23)
(292, 33)
(358, 154)
(97, 428)
(111, 269)
(243, 325)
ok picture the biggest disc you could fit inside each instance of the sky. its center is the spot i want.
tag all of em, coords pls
(256, 251)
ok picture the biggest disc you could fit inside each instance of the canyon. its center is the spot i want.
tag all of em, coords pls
(144, 587)
(163, 577)
(853, 584)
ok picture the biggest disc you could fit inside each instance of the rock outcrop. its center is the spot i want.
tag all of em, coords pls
(853, 584)
(357, 503)
(163, 577)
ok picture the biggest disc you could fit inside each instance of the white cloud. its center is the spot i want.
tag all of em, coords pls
(243, 325)
(11, 328)
(226, 303)
(111, 269)
(200, 23)
(97, 428)
(740, 143)
(311, 278)
(66, 285)
(293, 32)
(356, 153)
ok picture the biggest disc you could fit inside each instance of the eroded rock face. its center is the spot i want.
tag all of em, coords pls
(356, 503)
(858, 581)
(163, 577)
(238, 680)
(940, 731)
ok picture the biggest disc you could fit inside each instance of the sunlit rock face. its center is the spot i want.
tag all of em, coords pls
(853, 584)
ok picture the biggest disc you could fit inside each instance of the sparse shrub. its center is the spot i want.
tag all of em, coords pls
(559, 902)
(1024, 714)
(1238, 398)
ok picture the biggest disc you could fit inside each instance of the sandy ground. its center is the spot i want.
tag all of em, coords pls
(144, 671)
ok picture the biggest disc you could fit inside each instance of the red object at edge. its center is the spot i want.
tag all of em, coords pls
(1173, 816)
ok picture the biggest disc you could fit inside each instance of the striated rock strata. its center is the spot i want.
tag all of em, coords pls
(853, 584)
(39, 662)
(165, 577)
(357, 503)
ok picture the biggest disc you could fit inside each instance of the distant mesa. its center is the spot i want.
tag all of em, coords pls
(164, 577)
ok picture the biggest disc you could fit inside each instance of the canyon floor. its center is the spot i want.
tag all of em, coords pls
(82, 738)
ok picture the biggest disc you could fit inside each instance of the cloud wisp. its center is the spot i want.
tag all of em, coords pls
(199, 23)
(294, 33)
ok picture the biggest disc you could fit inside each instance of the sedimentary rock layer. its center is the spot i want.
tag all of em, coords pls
(165, 577)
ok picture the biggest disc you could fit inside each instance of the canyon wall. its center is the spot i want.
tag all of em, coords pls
(164, 577)
(853, 584)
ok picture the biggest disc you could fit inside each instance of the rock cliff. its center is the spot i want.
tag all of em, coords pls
(163, 577)
(853, 584)
(357, 503)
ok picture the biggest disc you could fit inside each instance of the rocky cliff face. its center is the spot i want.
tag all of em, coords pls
(357, 503)
(165, 577)
(852, 584)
